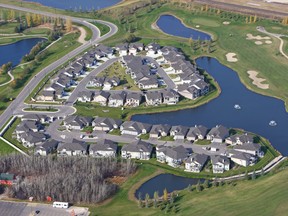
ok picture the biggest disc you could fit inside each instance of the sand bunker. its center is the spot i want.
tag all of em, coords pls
(197, 26)
(256, 80)
(258, 42)
(231, 57)
(226, 23)
(258, 37)
(268, 42)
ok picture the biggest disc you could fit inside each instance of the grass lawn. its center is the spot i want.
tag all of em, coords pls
(8, 28)
(5, 148)
(33, 31)
(241, 198)
(103, 28)
(144, 136)
(118, 71)
(202, 142)
(8, 135)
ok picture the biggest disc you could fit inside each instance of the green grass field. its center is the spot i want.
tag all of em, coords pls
(8, 28)
(103, 28)
(5, 148)
(264, 196)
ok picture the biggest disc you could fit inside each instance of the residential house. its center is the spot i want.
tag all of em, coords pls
(137, 150)
(96, 82)
(31, 138)
(170, 97)
(220, 163)
(218, 134)
(195, 163)
(122, 49)
(134, 128)
(46, 96)
(242, 159)
(65, 81)
(197, 132)
(101, 98)
(160, 130)
(133, 99)
(250, 148)
(153, 50)
(153, 98)
(134, 48)
(57, 89)
(179, 132)
(239, 139)
(105, 124)
(46, 148)
(38, 118)
(190, 92)
(173, 156)
(85, 96)
(102, 51)
(117, 99)
(75, 148)
(27, 125)
(76, 122)
(103, 148)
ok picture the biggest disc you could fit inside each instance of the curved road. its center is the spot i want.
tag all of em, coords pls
(19, 101)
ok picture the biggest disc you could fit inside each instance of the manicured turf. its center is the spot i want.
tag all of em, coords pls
(103, 28)
(5, 148)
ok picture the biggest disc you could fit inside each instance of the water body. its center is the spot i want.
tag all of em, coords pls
(168, 181)
(14, 52)
(255, 114)
(173, 26)
(76, 5)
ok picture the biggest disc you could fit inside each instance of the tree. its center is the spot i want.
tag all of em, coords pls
(198, 187)
(147, 199)
(165, 195)
(28, 20)
(11, 15)
(215, 182)
(156, 198)
(130, 38)
(68, 25)
(253, 177)
(167, 209)
(191, 42)
(174, 209)
(262, 172)
(255, 19)
(206, 183)
(6, 68)
(172, 198)
(246, 175)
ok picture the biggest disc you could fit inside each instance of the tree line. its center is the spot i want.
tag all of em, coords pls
(67, 179)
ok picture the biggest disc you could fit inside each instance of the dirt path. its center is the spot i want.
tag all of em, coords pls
(83, 33)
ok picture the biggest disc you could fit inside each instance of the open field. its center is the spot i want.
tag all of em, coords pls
(242, 198)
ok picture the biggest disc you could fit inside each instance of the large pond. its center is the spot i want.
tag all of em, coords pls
(76, 5)
(165, 181)
(173, 26)
(256, 113)
(14, 52)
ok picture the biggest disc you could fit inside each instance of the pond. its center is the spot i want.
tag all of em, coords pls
(255, 114)
(14, 52)
(76, 5)
(173, 26)
(162, 181)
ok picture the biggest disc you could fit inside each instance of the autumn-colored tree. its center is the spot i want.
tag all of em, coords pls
(34, 19)
(165, 195)
(28, 20)
(255, 19)
(11, 15)
(68, 25)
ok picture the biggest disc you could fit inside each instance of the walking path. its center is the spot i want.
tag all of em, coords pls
(278, 36)
(11, 79)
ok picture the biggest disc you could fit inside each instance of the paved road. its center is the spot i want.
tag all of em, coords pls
(34, 81)
(243, 9)
(82, 84)
(28, 209)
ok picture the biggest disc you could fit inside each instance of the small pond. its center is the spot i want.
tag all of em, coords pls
(162, 181)
(173, 26)
(76, 5)
(14, 52)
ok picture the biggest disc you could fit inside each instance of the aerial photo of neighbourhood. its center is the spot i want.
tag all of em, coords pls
(143, 107)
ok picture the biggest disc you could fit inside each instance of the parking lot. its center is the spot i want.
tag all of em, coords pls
(29, 209)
